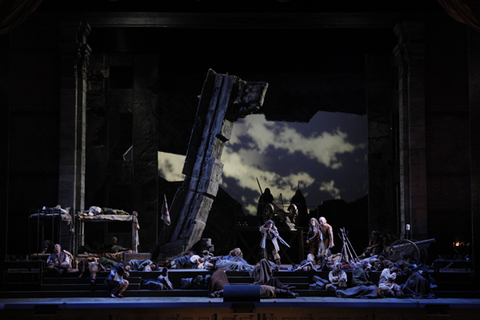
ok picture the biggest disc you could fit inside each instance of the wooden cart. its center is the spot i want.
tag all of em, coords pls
(411, 251)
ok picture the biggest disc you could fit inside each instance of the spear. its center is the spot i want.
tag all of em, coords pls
(261, 192)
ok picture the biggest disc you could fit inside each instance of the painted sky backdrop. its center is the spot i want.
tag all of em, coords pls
(327, 157)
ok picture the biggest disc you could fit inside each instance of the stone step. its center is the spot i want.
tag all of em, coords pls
(83, 287)
(70, 285)
(72, 280)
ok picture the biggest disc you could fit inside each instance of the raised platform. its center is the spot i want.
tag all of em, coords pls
(68, 297)
(450, 285)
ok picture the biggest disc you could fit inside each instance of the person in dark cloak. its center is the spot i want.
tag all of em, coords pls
(375, 245)
(263, 275)
(265, 199)
(360, 292)
(299, 200)
(47, 246)
(419, 285)
(361, 286)
(219, 280)
(388, 239)
(215, 286)
(361, 275)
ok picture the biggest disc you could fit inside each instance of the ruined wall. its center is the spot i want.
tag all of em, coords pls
(122, 168)
(447, 135)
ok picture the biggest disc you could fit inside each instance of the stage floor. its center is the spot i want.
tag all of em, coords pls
(195, 308)
(188, 302)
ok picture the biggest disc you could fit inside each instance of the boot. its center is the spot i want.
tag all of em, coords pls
(114, 291)
(282, 293)
(216, 294)
(380, 292)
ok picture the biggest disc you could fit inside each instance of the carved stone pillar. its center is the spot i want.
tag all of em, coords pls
(74, 61)
(410, 59)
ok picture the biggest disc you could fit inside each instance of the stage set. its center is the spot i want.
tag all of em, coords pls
(93, 91)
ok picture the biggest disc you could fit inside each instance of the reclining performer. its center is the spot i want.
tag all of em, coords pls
(387, 281)
(220, 279)
(235, 254)
(116, 280)
(187, 261)
(114, 247)
(143, 265)
(229, 265)
(306, 265)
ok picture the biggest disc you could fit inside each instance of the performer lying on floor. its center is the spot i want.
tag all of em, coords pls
(143, 265)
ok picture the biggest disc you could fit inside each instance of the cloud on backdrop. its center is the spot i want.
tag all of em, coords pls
(326, 158)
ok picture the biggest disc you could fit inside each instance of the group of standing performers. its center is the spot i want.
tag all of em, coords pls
(319, 239)
(319, 235)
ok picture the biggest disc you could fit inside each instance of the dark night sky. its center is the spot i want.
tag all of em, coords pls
(327, 157)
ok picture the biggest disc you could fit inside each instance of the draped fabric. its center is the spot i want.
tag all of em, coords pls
(263, 275)
(464, 11)
(14, 12)
(218, 281)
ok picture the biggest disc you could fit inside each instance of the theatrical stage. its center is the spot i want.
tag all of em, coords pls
(216, 308)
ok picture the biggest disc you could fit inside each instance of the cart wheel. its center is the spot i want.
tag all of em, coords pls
(406, 250)
(293, 213)
(269, 212)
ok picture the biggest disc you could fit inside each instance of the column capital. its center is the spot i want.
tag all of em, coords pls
(410, 31)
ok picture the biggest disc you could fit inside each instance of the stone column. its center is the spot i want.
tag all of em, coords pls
(410, 59)
(145, 147)
(474, 100)
(74, 61)
(382, 213)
